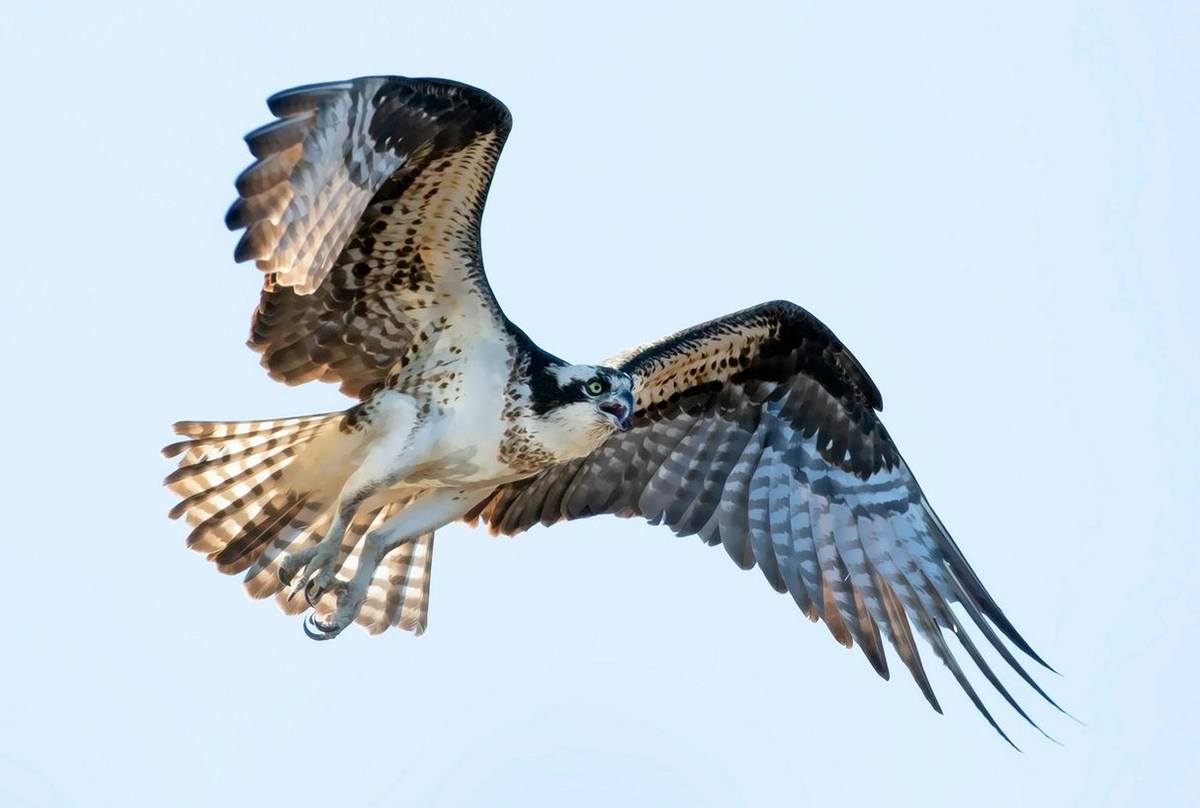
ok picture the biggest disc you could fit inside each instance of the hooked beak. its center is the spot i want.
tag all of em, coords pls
(619, 409)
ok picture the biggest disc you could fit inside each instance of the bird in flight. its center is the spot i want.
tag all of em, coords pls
(757, 431)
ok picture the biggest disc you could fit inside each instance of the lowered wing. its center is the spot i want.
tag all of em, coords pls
(759, 432)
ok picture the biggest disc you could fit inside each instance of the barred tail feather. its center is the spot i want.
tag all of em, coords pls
(231, 483)
(251, 502)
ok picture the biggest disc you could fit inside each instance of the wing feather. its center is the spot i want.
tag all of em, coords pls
(752, 514)
(713, 469)
(803, 548)
(866, 599)
(363, 210)
(699, 446)
(839, 617)
(760, 431)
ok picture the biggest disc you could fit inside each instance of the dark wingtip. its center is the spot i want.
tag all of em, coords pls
(1019, 641)
(971, 582)
(250, 246)
(179, 474)
(305, 97)
(1078, 721)
(233, 217)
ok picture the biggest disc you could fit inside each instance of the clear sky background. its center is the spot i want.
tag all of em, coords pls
(995, 207)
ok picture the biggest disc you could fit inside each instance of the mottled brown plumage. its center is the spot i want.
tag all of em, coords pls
(360, 269)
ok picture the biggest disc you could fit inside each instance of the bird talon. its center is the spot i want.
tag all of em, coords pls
(298, 587)
(314, 629)
(313, 591)
(293, 564)
(287, 572)
(321, 585)
(315, 567)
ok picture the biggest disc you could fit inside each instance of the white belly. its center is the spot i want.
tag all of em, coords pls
(445, 430)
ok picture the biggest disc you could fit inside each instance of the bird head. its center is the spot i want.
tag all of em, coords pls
(600, 395)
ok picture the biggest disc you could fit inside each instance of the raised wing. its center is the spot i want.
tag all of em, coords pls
(363, 209)
(758, 431)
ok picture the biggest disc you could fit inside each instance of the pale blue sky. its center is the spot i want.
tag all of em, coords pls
(995, 207)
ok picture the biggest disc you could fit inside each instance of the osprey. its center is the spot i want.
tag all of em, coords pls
(757, 431)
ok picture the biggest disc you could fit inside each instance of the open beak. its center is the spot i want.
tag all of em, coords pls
(618, 408)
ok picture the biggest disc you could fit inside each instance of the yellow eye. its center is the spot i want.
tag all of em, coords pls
(595, 387)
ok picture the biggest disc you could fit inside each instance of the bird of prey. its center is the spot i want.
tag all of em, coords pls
(758, 431)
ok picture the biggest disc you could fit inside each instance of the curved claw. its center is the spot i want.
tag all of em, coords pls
(316, 631)
(316, 571)
(298, 587)
(288, 570)
(286, 573)
(313, 592)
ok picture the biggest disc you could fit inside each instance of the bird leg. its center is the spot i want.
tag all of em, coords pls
(427, 512)
(317, 565)
(391, 420)
(351, 594)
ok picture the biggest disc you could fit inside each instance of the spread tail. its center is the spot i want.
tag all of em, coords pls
(257, 491)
